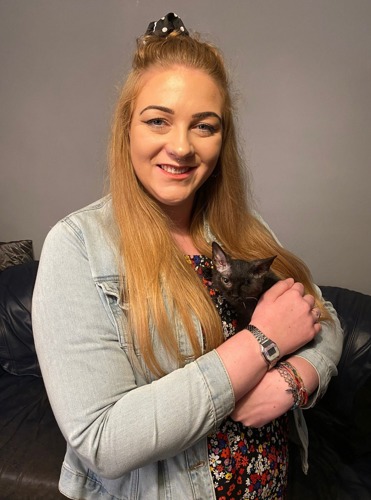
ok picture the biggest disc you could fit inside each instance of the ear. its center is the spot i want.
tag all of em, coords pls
(220, 258)
(261, 267)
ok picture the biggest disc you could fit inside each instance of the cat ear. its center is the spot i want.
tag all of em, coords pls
(220, 259)
(261, 267)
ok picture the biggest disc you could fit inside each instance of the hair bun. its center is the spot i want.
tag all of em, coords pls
(166, 25)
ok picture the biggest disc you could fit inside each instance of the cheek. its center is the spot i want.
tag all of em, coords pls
(213, 152)
(138, 157)
(138, 147)
(143, 146)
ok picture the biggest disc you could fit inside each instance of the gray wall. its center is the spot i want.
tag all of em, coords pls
(302, 70)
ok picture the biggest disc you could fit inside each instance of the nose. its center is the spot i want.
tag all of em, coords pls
(180, 146)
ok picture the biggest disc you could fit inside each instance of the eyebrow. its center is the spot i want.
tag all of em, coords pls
(199, 116)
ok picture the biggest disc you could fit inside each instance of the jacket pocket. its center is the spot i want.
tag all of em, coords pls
(117, 310)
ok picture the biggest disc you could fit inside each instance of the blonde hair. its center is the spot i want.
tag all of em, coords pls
(157, 282)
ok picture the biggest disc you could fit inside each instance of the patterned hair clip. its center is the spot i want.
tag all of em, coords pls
(167, 24)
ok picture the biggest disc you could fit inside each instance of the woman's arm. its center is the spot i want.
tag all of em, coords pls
(283, 310)
(270, 399)
(113, 424)
(316, 363)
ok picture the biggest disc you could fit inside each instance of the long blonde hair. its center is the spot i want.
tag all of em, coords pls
(157, 282)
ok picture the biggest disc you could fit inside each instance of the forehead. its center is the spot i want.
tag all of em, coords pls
(179, 86)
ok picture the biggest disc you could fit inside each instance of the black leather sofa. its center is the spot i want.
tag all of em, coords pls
(340, 424)
(32, 447)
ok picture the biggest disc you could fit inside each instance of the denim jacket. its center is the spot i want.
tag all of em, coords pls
(81, 339)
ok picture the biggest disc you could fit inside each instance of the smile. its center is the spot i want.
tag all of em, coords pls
(175, 170)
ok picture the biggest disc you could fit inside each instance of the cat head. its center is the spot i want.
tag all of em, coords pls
(239, 280)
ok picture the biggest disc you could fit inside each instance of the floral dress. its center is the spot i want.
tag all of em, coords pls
(245, 462)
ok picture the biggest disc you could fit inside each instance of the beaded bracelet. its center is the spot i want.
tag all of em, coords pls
(297, 388)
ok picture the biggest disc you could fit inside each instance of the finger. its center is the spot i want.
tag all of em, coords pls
(317, 328)
(316, 314)
(279, 289)
(310, 300)
(299, 287)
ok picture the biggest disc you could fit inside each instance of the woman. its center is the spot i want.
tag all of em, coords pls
(156, 394)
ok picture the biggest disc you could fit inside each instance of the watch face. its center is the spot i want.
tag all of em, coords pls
(271, 352)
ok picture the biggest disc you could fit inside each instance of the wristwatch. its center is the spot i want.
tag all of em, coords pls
(269, 349)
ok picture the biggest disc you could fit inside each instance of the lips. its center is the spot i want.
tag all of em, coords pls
(171, 169)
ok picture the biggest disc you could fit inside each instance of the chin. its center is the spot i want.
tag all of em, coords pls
(174, 200)
(182, 204)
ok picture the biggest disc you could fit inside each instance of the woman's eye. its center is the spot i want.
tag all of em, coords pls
(156, 122)
(206, 128)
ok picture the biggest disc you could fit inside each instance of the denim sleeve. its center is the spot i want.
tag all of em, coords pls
(113, 424)
(324, 352)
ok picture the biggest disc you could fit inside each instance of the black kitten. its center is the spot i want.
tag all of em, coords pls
(241, 282)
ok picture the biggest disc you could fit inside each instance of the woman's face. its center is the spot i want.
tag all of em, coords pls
(176, 134)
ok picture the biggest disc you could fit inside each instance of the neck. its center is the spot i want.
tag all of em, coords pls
(185, 243)
(180, 229)
(180, 217)
(181, 224)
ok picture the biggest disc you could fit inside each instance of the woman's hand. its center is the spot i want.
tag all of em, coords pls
(287, 316)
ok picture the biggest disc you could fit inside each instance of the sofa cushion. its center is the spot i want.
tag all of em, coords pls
(31, 445)
(17, 349)
(13, 253)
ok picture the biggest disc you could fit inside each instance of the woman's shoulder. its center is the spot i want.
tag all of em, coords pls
(90, 232)
(99, 209)
(92, 218)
